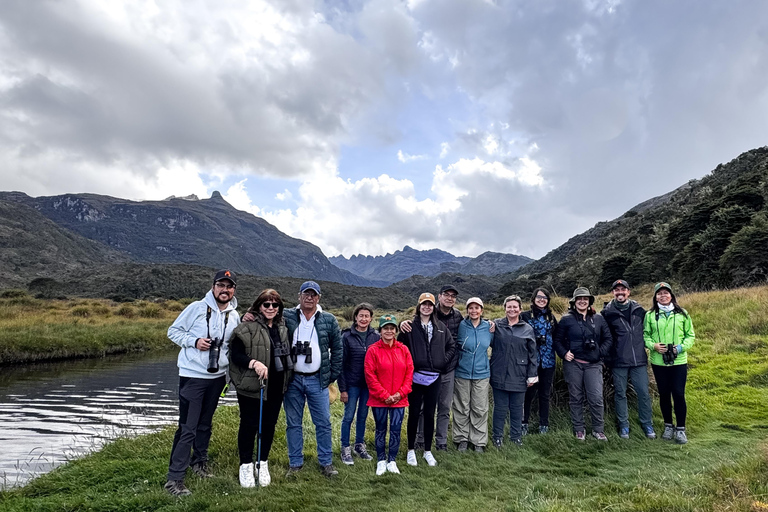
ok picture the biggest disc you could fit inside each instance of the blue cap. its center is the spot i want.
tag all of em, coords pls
(310, 285)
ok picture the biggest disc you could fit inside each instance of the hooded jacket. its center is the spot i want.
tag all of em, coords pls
(191, 324)
(258, 345)
(573, 331)
(542, 326)
(388, 370)
(628, 347)
(472, 346)
(675, 328)
(355, 345)
(328, 337)
(434, 356)
(514, 358)
(452, 321)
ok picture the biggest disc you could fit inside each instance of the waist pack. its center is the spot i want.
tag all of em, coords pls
(424, 378)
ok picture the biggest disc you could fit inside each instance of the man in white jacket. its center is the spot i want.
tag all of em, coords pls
(197, 330)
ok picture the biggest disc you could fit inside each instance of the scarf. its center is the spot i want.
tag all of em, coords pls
(668, 308)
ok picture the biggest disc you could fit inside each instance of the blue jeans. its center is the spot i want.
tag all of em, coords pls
(358, 398)
(639, 377)
(508, 403)
(307, 389)
(396, 415)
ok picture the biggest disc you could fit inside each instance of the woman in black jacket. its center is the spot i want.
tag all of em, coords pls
(582, 340)
(432, 348)
(352, 386)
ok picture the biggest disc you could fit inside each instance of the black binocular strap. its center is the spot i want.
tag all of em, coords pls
(208, 323)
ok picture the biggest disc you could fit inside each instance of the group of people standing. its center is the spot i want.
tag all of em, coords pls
(435, 364)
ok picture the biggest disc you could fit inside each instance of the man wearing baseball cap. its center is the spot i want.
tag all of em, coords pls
(628, 359)
(316, 341)
(202, 325)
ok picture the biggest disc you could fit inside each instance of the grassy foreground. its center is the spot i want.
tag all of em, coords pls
(724, 467)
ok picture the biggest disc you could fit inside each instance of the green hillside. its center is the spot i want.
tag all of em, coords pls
(708, 234)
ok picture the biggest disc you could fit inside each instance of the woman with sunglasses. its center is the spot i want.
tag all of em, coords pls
(583, 340)
(514, 360)
(542, 320)
(259, 355)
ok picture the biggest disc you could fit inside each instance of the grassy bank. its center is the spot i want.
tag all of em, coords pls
(724, 467)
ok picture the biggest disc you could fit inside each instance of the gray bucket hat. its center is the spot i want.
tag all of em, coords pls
(582, 291)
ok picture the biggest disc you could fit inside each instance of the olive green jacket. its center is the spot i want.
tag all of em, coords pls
(255, 338)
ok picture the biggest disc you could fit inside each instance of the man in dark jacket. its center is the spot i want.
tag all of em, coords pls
(628, 358)
(316, 340)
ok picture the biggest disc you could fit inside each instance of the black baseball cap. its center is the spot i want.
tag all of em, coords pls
(225, 274)
(449, 288)
(620, 282)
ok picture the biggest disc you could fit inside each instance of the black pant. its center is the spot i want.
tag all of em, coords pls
(249, 419)
(198, 399)
(671, 383)
(544, 387)
(428, 396)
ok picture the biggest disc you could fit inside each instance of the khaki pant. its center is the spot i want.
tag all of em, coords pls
(470, 411)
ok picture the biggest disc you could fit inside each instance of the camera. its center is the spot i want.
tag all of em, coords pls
(213, 355)
(670, 355)
(590, 344)
(302, 348)
(282, 354)
(541, 341)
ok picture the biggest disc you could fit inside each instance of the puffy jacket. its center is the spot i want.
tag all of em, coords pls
(191, 324)
(472, 345)
(434, 356)
(329, 338)
(675, 328)
(628, 347)
(355, 346)
(573, 331)
(452, 321)
(543, 326)
(514, 358)
(388, 370)
(255, 339)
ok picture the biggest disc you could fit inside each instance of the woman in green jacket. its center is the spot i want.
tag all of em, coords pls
(668, 334)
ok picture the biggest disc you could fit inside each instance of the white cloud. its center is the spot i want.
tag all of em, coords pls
(405, 157)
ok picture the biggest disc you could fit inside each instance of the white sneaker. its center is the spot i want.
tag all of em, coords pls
(430, 459)
(392, 467)
(264, 478)
(411, 458)
(246, 475)
(381, 467)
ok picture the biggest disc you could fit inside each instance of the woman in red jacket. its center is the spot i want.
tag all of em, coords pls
(389, 374)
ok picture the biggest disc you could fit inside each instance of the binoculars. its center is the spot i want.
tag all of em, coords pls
(590, 344)
(213, 355)
(541, 341)
(302, 348)
(670, 355)
(282, 355)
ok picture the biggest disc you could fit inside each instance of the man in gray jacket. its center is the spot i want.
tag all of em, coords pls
(204, 326)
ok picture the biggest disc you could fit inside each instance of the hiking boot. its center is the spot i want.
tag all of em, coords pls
(362, 452)
(581, 435)
(176, 488)
(624, 432)
(649, 432)
(418, 445)
(346, 455)
(392, 467)
(479, 449)
(680, 437)
(381, 467)
(543, 429)
(263, 473)
(411, 458)
(201, 470)
(246, 475)
(293, 471)
(497, 442)
(600, 436)
(329, 471)
(517, 442)
(442, 447)
(669, 432)
(430, 459)
(462, 446)
(525, 429)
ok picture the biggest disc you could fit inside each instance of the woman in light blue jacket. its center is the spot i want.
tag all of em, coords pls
(470, 392)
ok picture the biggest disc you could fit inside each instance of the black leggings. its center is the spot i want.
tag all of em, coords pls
(428, 396)
(544, 388)
(671, 383)
(249, 420)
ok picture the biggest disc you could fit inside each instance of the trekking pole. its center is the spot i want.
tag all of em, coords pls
(261, 414)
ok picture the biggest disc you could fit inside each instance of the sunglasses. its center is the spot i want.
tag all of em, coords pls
(268, 305)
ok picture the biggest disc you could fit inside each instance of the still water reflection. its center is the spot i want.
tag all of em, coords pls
(52, 412)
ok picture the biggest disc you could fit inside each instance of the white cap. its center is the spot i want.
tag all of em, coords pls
(475, 300)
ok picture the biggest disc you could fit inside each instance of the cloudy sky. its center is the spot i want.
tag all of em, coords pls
(468, 125)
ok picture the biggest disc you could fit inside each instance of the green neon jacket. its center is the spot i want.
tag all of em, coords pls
(674, 328)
